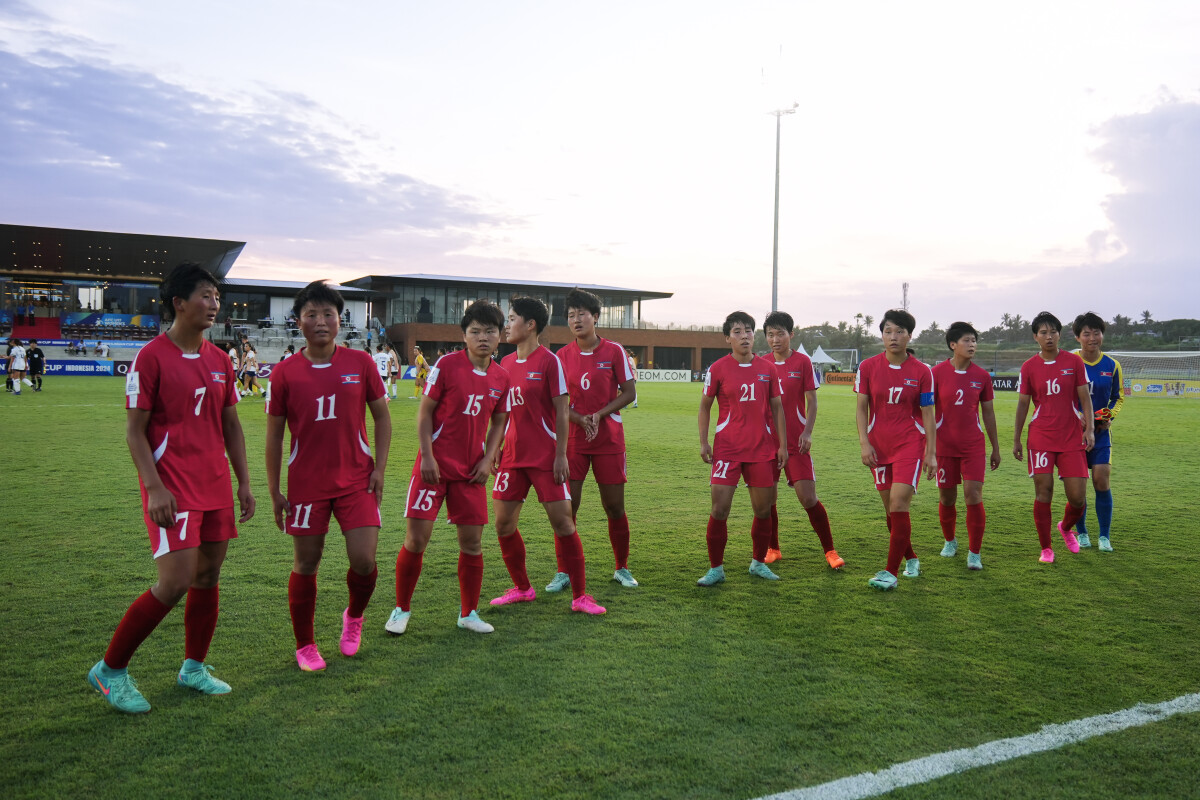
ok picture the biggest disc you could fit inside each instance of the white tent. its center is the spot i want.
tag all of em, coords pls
(799, 348)
(821, 357)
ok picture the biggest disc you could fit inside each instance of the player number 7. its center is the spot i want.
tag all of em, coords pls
(200, 398)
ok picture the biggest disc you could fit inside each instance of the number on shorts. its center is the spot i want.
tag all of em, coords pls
(321, 415)
(303, 512)
(182, 515)
(501, 484)
(894, 394)
(424, 501)
(584, 383)
(880, 474)
(720, 468)
(1052, 386)
(958, 400)
(474, 405)
(942, 472)
(1041, 460)
(747, 392)
(200, 398)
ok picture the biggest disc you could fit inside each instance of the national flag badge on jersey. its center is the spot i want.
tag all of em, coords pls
(603, 365)
(764, 378)
(495, 394)
(533, 376)
(1105, 374)
(1068, 372)
(218, 377)
(910, 381)
(351, 379)
(796, 375)
(975, 384)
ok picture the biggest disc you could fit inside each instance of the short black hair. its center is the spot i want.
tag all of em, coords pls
(32, 342)
(319, 293)
(779, 319)
(1045, 318)
(958, 330)
(898, 316)
(581, 298)
(1089, 320)
(485, 312)
(736, 317)
(379, 347)
(530, 308)
(181, 282)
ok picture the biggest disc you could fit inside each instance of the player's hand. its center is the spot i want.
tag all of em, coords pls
(995, 460)
(375, 485)
(430, 472)
(1017, 453)
(160, 505)
(279, 505)
(931, 468)
(868, 456)
(591, 426)
(706, 453)
(781, 457)
(245, 502)
(480, 473)
(1089, 440)
(805, 442)
(561, 471)
(1102, 424)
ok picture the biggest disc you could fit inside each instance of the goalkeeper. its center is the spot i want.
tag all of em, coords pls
(1107, 385)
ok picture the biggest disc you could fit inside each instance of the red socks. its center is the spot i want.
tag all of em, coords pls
(1041, 518)
(760, 537)
(139, 621)
(1071, 515)
(572, 559)
(948, 516)
(900, 540)
(361, 588)
(976, 521)
(302, 603)
(199, 622)
(716, 537)
(470, 581)
(512, 550)
(408, 570)
(618, 535)
(819, 519)
(773, 543)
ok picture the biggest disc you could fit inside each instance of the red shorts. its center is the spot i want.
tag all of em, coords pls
(759, 474)
(1071, 464)
(466, 502)
(513, 485)
(190, 529)
(358, 509)
(906, 471)
(953, 470)
(799, 467)
(607, 467)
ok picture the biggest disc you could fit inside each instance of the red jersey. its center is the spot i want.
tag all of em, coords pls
(466, 399)
(958, 395)
(531, 434)
(593, 380)
(186, 395)
(325, 406)
(796, 376)
(744, 419)
(896, 395)
(1057, 423)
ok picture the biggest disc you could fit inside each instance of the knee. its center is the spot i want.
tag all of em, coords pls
(306, 565)
(207, 578)
(720, 514)
(614, 510)
(170, 591)
(363, 565)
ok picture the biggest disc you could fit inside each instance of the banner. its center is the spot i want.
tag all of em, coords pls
(80, 367)
(115, 320)
(1144, 388)
(843, 378)
(1005, 383)
(664, 375)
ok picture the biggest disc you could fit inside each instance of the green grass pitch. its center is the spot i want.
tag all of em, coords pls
(738, 691)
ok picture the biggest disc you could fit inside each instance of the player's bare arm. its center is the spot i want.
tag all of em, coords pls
(235, 447)
(562, 404)
(810, 404)
(703, 419)
(861, 413)
(929, 420)
(430, 473)
(160, 503)
(491, 451)
(1089, 417)
(279, 503)
(988, 412)
(781, 428)
(383, 443)
(1019, 425)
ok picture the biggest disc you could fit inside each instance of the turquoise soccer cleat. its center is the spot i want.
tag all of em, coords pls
(625, 578)
(760, 570)
(883, 580)
(1083, 539)
(714, 576)
(560, 581)
(1105, 545)
(118, 688)
(912, 568)
(974, 560)
(950, 549)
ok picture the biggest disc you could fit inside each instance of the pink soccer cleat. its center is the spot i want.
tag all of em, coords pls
(309, 659)
(1047, 556)
(1069, 538)
(586, 604)
(351, 633)
(515, 595)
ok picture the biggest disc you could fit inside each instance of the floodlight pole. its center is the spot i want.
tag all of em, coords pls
(775, 244)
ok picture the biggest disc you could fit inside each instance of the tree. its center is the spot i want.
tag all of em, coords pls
(1146, 318)
(931, 335)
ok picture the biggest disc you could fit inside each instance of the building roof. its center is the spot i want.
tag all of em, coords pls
(427, 279)
(108, 256)
(289, 288)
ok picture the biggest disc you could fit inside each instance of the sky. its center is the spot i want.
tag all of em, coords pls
(999, 158)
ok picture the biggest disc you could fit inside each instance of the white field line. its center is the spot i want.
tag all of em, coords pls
(1050, 737)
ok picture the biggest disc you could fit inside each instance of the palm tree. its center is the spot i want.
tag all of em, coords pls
(1017, 322)
(868, 321)
(1146, 318)
(1006, 322)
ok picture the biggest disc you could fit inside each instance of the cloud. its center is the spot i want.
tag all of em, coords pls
(91, 144)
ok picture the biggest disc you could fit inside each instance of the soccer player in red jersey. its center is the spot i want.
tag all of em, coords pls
(465, 391)
(600, 383)
(181, 396)
(322, 395)
(745, 444)
(535, 454)
(799, 383)
(896, 434)
(963, 394)
(1061, 430)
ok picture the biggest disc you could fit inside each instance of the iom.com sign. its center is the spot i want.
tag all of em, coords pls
(664, 375)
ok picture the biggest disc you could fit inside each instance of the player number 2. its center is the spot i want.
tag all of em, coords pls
(1052, 386)
(958, 397)
(474, 405)
(894, 394)
(747, 394)
(321, 415)
(721, 467)
(303, 512)
(584, 383)
(200, 398)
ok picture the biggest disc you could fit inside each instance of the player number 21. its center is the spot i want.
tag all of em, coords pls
(720, 468)
(747, 392)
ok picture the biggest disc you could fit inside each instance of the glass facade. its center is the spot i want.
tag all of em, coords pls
(444, 305)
